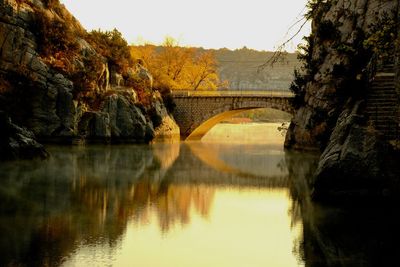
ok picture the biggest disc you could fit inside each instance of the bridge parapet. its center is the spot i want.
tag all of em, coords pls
(233, 93)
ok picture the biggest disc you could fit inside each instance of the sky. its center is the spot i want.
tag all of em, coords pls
(256, 24)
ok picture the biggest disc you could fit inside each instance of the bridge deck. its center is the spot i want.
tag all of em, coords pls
(233, 93)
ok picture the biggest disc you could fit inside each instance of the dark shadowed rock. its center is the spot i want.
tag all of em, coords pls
(17, 142)
(95, 125)
(353, 164)
(356, 159)
(126, 120)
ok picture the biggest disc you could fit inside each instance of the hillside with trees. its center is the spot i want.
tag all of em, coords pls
(242, 70)
(189, 68)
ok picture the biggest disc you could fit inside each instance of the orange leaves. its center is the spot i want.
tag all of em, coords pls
(178, 68)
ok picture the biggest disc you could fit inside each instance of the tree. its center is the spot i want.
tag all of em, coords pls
(202, 74)
(175, 67)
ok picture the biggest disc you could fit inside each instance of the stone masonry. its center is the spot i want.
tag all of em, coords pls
(193, 112)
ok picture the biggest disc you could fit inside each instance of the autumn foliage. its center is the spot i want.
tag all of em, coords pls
(57, 43)
(112, 46)
(178, 68)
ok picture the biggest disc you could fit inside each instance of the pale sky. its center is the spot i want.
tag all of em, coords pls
(257, 24)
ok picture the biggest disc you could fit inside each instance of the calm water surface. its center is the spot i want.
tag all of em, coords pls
(227, 201)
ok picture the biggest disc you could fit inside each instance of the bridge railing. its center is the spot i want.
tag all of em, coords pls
(233, 93)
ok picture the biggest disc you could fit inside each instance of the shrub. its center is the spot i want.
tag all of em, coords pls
(112, 46)
(298, 88)
(85, 79)
(56, 42)
(381, 40)
(144, 95)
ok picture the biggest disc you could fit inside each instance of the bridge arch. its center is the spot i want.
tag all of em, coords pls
(197, 114)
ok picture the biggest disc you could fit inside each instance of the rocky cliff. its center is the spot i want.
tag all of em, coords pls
(351, 43)
(56, 79)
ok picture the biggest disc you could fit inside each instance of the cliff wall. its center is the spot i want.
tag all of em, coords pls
(57, 84)
(350, 44)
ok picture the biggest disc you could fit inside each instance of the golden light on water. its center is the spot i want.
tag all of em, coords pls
(196, 204)
(244, 228)
(252, 133)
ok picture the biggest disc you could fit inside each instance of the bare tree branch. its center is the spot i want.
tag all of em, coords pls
(280, 51)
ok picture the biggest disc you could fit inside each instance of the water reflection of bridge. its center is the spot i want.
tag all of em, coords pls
(221, 173)
(92, 193)
(237, 180)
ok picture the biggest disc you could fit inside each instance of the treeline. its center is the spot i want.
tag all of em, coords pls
(61, 42)
(238, 69)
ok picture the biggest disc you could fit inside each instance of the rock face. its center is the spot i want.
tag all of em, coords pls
(331, 115)
(44, 99)
(353, 163)
(17, 142)
(341, 235)
(166, 129)
(122, 120)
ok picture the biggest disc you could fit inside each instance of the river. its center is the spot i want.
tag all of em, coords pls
(231, 200)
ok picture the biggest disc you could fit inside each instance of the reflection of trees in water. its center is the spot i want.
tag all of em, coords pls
(173, 203)
(152, 193)
(169, 203)
(45, 215)
(87, 195)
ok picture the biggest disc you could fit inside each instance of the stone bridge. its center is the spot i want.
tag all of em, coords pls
(197, 112)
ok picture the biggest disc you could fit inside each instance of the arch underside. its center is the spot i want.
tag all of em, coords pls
(199, 129)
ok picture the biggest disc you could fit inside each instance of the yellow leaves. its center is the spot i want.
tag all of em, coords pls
(178, 68)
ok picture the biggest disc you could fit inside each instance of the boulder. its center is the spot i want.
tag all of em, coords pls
(116, 79)
(17, 142)
(164, 124)
(140, 74)
(352, 165)
(126, 120)
(95, 125)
